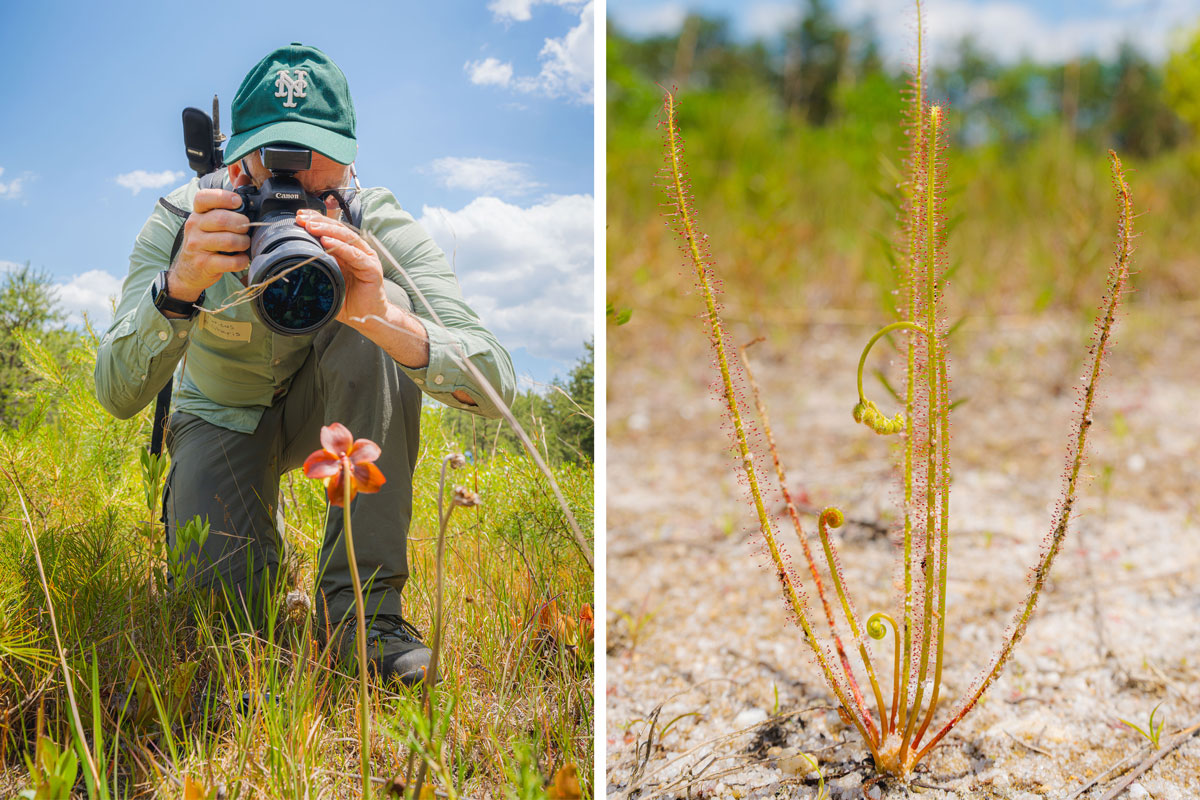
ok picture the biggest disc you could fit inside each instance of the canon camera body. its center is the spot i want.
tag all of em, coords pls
(301, 286)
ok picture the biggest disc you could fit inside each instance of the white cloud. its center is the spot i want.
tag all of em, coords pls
(9, 266)
(1008, 29)
(12, 189)
(528, 272)
(1011, 29)
(484, 175)
(522, 10)
(567, 62)
(489, 71)
(141, 179)
(646, 19)
(88, 293)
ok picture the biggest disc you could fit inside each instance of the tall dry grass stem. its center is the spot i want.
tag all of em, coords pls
(463, 362)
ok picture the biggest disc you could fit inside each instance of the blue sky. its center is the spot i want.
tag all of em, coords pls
(478, 116)
(1045, 30)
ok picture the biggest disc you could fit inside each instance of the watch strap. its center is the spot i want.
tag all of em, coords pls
(164, 302)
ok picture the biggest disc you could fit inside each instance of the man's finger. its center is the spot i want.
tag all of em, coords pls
(222, 242)
(215, 262)
(222, 220)
(362, 265)
(320, 226)
(344, 250)
(208, 199)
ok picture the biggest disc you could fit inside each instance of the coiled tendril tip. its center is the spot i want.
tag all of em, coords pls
(866, 412)
(832, 517)
(876, 628)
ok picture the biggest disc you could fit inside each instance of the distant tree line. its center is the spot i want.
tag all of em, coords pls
(28, 308)
(817, 69)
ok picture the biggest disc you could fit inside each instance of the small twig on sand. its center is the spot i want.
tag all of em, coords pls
(923, 785)
(1089, 784)
(1029, 746)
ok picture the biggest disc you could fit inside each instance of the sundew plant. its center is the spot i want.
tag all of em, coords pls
(899, 730)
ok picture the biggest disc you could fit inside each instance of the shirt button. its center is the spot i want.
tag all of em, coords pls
(419, 381)
(275, 363)
(143, 377)
(183, 334)
(163, 335)
(439, 379)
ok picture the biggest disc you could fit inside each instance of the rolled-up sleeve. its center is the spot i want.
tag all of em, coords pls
(454, 330)
(139, 352)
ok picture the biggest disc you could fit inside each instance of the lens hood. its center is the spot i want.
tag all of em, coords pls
(302, 287)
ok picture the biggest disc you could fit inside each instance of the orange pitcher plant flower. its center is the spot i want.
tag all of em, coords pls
(345, 465)
(341, 457)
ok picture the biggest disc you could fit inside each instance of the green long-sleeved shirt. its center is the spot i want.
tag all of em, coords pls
(233, 366)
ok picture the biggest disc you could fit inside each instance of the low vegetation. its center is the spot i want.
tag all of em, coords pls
(134, 690)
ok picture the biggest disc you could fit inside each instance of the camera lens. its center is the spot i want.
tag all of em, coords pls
(303, 288)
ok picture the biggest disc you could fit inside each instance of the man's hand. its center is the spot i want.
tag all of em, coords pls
(360, 265)
(399, 333)
(212, 229)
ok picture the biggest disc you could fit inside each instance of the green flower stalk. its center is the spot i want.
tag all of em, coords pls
(346, 465)
(895, 732)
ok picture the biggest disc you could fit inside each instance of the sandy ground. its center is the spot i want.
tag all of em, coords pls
(710, 685)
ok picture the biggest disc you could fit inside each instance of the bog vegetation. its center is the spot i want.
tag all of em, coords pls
(173, 702)
(795, 147)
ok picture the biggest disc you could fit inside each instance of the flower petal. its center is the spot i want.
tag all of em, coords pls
(364, 450)
(333, 489)
(336, 438)
(321, 464)
(368, 478)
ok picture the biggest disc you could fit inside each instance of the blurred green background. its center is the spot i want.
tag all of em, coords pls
(794, 145)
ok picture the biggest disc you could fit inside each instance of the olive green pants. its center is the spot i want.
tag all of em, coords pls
(231, 479)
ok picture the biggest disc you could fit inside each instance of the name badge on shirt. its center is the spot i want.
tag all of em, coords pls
(229, 329)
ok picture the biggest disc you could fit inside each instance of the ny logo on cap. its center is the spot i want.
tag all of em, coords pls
(287, 86)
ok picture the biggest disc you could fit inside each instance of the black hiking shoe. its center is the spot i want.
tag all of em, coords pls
(394, 649)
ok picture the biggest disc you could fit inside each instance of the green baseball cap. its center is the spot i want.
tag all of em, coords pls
(295, 95)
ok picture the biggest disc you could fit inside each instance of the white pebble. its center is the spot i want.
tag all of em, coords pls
(1137, 791)
(751, 716)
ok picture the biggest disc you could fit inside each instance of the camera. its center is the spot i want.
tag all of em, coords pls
(301, 287)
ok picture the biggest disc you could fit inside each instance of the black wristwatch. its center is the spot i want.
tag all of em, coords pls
(164, 302)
